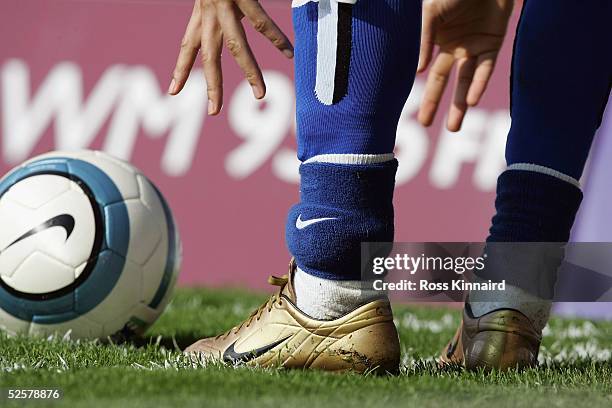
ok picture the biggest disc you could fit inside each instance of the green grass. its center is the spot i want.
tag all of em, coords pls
(576, 369)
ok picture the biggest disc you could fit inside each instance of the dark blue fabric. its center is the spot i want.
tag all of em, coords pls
(533, 207)
(384, 56)
(360, 201)
(562, 70)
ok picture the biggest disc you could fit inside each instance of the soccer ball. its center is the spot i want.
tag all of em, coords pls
(88, 247)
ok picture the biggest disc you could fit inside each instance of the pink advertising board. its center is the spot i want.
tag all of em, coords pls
(93, 74)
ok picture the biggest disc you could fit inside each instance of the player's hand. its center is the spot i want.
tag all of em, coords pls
(469, 33)
(217, 23)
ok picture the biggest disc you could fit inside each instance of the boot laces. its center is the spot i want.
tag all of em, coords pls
(267, 306)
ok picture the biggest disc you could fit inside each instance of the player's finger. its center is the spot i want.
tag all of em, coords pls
(212, 42)
(428, 30)
(190, 45)
(263, 24)
(236, 43)
(465, 73)
(484, 69)
(434, 87)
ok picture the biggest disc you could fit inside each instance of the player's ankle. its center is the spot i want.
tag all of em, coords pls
(326, 299)
(513, 297)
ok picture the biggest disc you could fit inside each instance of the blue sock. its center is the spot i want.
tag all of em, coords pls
(561, 76)
(533, 207)
(534, 216)
(353, 204)
(354, 68)
(556, 106)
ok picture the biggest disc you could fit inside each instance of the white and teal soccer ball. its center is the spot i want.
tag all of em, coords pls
(88, 247)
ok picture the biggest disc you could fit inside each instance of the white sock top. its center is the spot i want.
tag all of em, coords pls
(325, 299)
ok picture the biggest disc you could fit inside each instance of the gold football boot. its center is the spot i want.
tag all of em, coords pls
(502, 339)
(279, 334)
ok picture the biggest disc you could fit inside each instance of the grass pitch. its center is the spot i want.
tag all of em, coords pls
(576, 367)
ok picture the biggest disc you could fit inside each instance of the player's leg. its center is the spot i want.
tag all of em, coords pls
(560, 86)
(355, 63)
(350, 93)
